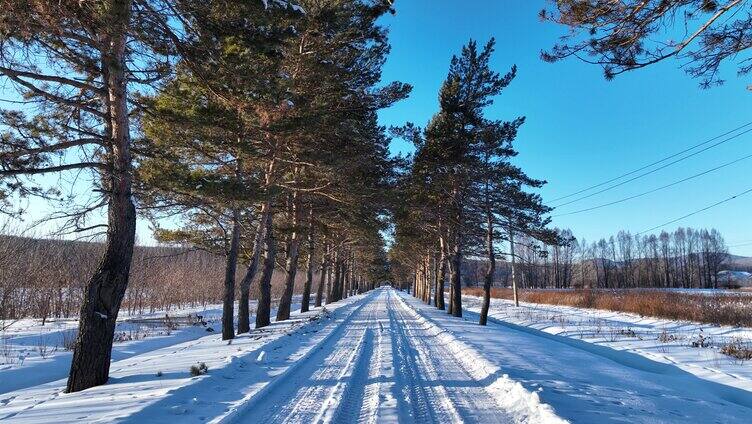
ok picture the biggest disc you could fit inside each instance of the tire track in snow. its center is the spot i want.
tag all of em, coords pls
(408, 386)
(454, 394)
(345, 399)
(379, 366)
(361, 396)
(313, 392)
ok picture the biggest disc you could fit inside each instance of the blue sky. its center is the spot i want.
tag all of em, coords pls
(582, 129)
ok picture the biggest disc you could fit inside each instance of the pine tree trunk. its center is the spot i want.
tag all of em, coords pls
(428, 276)
(322, 278)
(306, 300)
(488, 280)
(441, 277)
(513, 259)
(457, 281)
(337, 278)
(332, 280)
(228, 303)
(329, 280)
(90, 365)
(263, 310)
(345, 279)
(244, 312)
(451, 289)
(291, 267)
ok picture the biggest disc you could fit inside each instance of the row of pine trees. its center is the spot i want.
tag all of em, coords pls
(244, 128)
(464, 195)
(249, 129)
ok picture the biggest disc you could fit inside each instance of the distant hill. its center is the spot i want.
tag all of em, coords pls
(739, 261)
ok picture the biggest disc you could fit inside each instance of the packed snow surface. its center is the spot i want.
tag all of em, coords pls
(386, 357)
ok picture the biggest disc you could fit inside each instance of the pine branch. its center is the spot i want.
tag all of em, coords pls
(51, 148)
(53, 78)
(59, 168)
(53, 97)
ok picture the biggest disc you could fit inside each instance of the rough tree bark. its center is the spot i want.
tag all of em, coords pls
(306, 300)
(322, 277)
(451, 288)
(441, 276)
(263, 310)
(336, 286)
(104, 292)
(488, 278)
(457, 255)
(331, 280)
(428, 279)
(345, 278)
(228, 303)
(244, 312)
(456, 279)
(291, 266)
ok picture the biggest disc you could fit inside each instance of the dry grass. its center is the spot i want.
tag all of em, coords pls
(722, 309)
(738, 349)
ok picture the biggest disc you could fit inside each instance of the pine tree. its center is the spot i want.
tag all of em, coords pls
(198, 164)
(461, 186)
(233, 136)
(76, 65)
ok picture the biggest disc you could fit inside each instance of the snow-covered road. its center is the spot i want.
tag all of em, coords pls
(384, 365)
(386, 357)
(398, 360)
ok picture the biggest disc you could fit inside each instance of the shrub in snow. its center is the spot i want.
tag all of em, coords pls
(701, 340)
(159, 373)
(199, 369)
(666, 337)
(43, 348)
(738, 349)
(69, 339)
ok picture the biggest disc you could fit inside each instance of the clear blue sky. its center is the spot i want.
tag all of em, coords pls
(582, 129)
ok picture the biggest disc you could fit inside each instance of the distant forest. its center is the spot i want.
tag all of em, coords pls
(684, 258)
(45, 278)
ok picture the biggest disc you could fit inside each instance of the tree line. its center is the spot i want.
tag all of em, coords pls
(246, 129)
(42, 278)
(462, 195)
(684, 258)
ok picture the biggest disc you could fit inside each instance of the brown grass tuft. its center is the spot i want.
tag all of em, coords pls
(721, 309)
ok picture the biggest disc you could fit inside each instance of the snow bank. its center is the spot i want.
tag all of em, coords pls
(524, 405)
(689, 346)
(157, 386)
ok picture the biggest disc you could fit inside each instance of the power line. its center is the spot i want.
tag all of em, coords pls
(655, 170)
(652, 164)
(655, 189)
(697, 211)
(741, 245)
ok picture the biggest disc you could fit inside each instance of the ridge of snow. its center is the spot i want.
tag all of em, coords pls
(525, 405)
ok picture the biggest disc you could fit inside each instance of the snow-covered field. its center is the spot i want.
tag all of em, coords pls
(386, 357)
(32, 353)
(693, 347)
